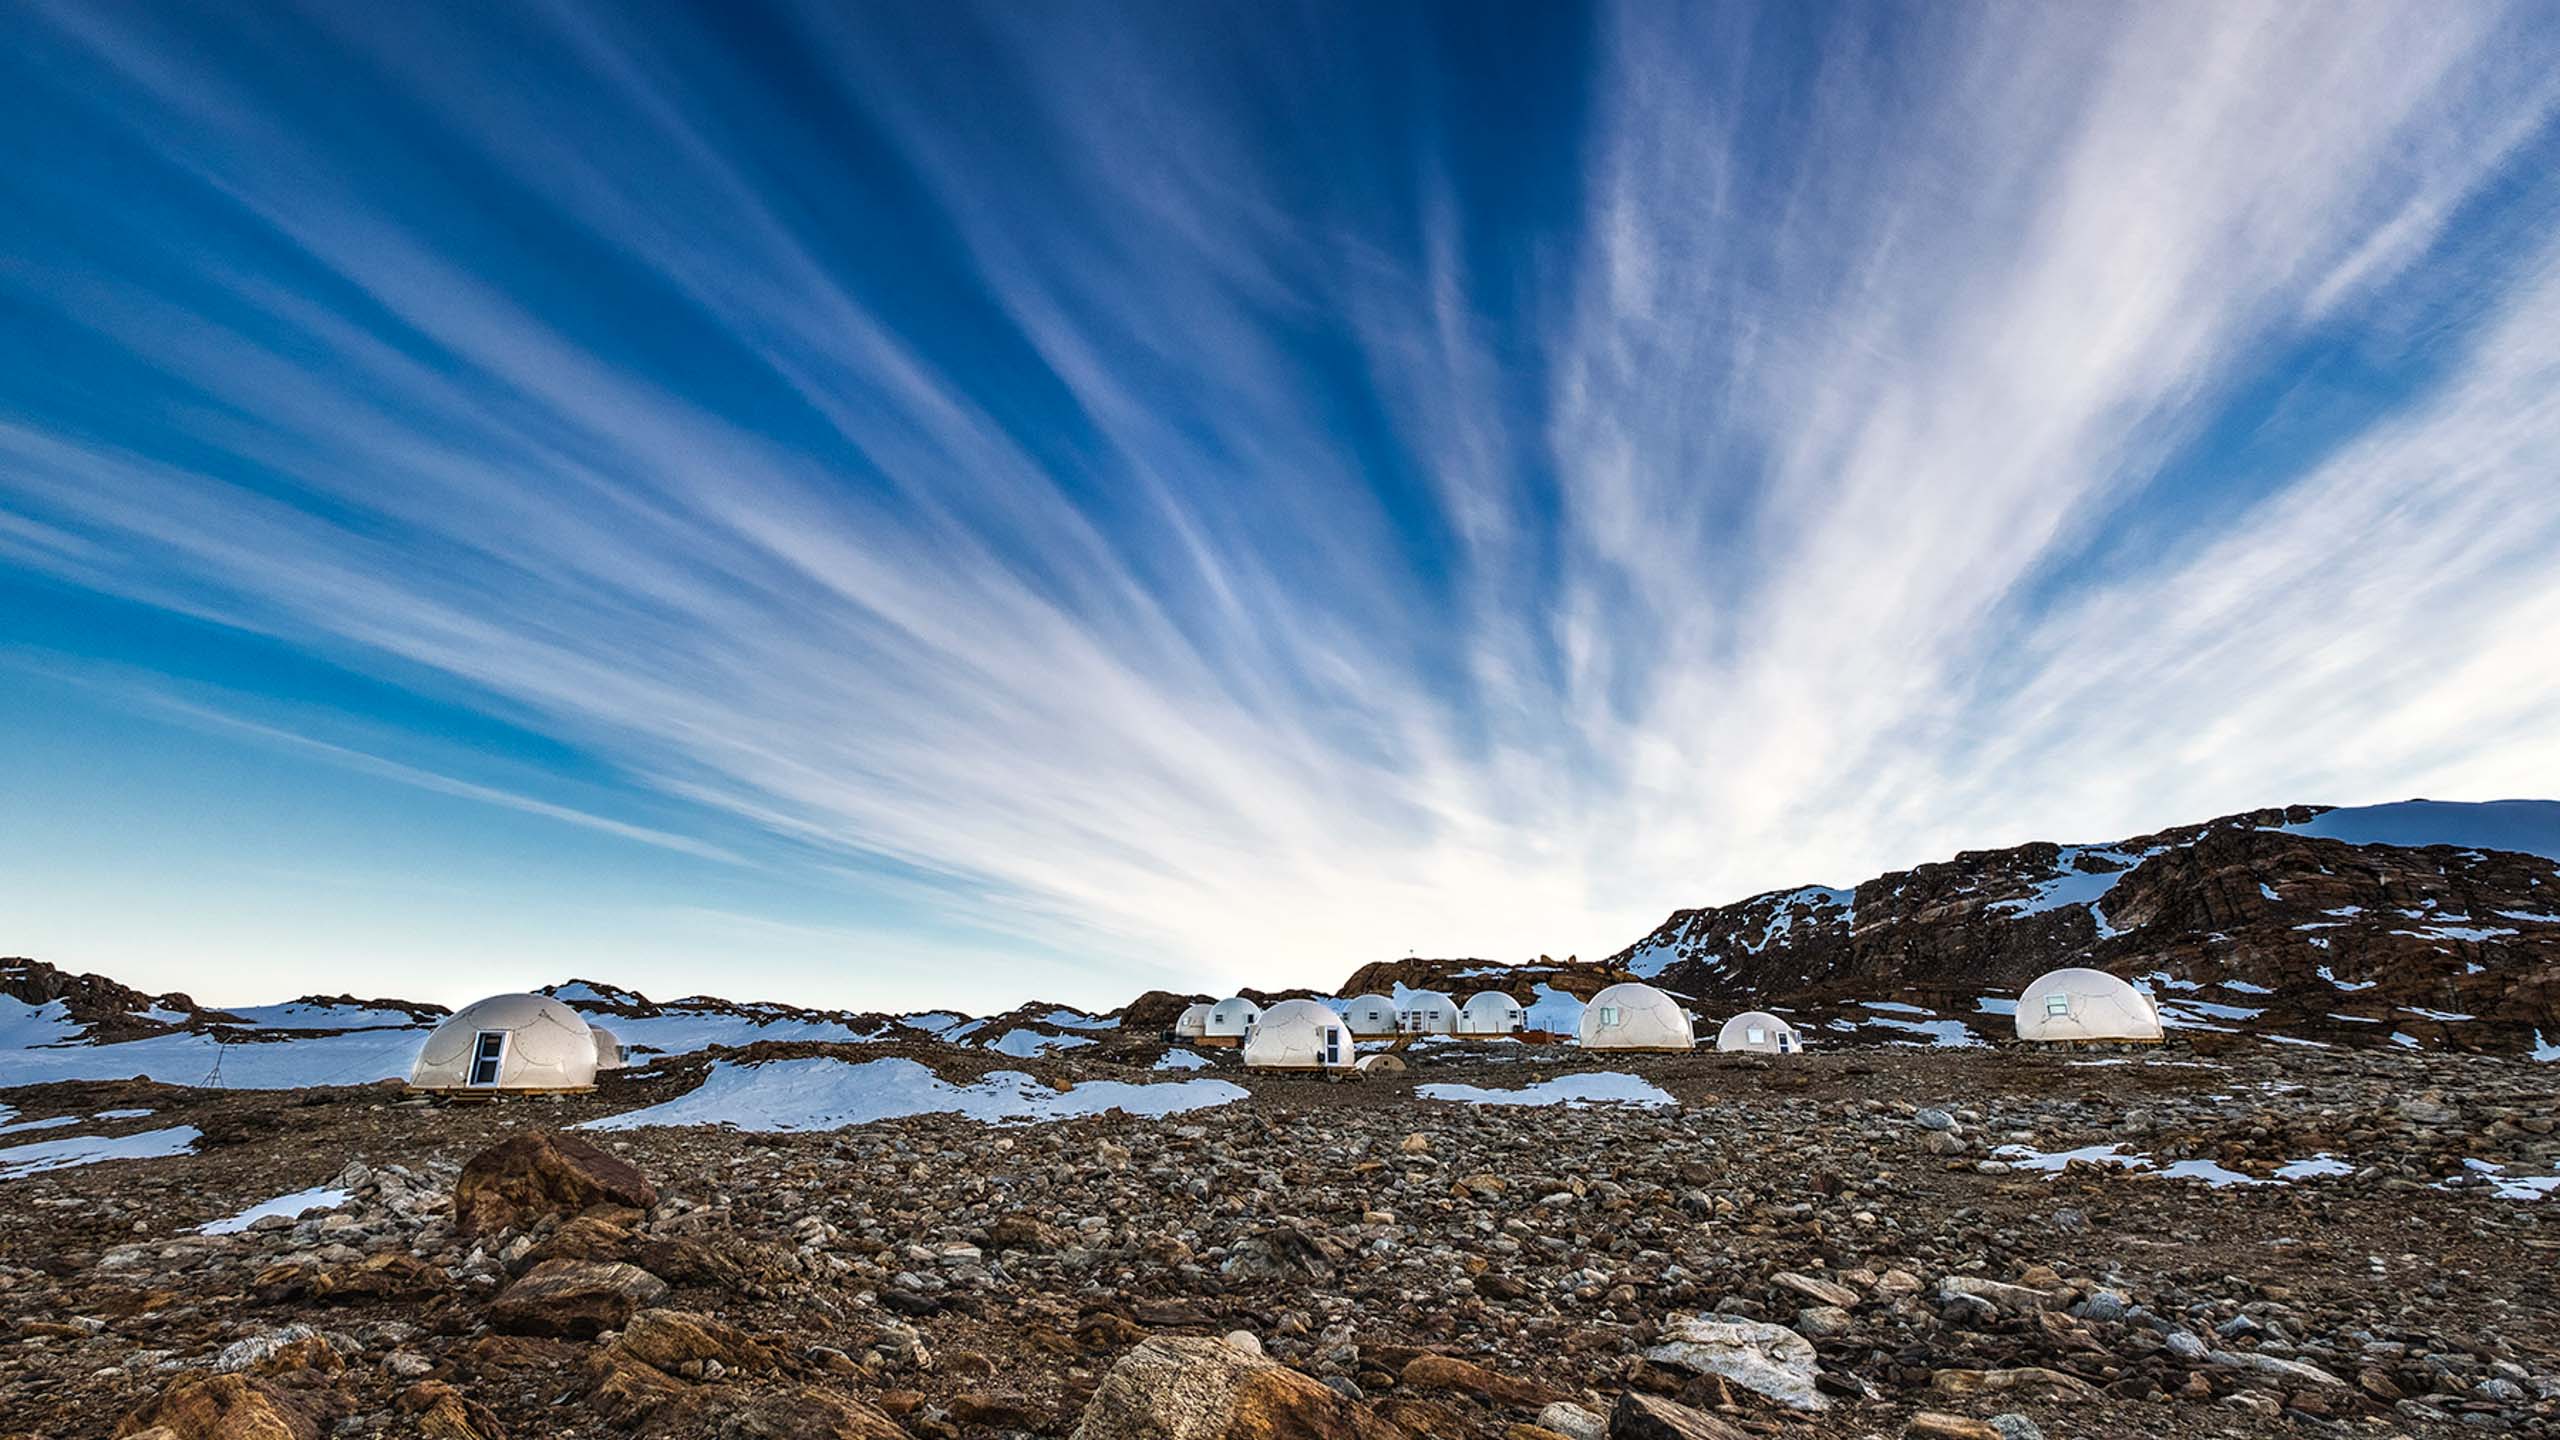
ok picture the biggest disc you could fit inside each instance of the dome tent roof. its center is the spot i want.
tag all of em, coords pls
(2076, 1003)
(1232, 1016)
(1193, 1021)
(509, 1042)
(1761, 1031)
(1633, 1016)
(1299, 1034)
(1490, 1012)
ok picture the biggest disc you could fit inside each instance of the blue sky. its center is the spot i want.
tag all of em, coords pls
(908, 505)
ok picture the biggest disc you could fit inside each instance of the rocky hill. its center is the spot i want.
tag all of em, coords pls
(2257, 922)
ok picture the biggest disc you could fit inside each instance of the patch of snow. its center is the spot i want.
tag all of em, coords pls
(2426, 1014)
(1996, 1004)
(120, 1114)
(2214, 1011)
(2297, 1040)
(2538, 917)
(2206, 1171)
(2268, 891)
(23, 1026)
(1024, 1044)
(1554, 1011)
(2348, 985)
(52, 1123)
(18, 1160)
(296, 1015)
(319, 1197)
(1587, 1088)
(2317, 1167)
(1077, 1020)
(1949, 1034)
(2163, 980)
(2510, 1187)
(822, 1093)
(2355, 1019)
(2348, 910)
(2243, 987)
(1895, 1006)
(2473, 933)
(1181, 1060)
(2022, 1157)
(680, 1030)
(352, 1057)
(2544, 1050)
(2405, 1041)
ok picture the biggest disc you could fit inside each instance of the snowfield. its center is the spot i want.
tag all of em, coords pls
(825, 1094)
(1607, 1087)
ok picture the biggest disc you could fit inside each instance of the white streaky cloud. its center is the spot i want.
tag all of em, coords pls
(1776, 566)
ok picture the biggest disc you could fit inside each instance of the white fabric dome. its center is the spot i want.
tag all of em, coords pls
(1632, 1016)
(1232, 1016)
(1491, 1012)
(1426, 1012)
(1370, 1015)
(1761, 1031)
(1192, 1023)
(2083, 1004)
(1299, 1035)
(509, 1042)
(608, 1048)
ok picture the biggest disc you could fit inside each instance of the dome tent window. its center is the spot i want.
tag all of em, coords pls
(1608, 1014)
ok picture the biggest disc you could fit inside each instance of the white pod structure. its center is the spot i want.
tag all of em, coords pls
(1426, 1012)
(1370, 1017)
(1491, 1012)
(1299, 1035)
(1633, 1016)
(608, 1048)
(508, 1042)
(1192, 1023)
(1761, 1032)
(2077, 1004)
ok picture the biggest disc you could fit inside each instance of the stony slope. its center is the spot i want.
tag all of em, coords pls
(2236, 923)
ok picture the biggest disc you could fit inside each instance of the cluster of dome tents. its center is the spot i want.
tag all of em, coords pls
(1313, 1035)
(536, 1043)
(2063, 1006)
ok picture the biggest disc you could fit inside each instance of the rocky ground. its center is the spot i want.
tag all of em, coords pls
(1822, 1246)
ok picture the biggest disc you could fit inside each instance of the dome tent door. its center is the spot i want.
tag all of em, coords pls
(488, 1057)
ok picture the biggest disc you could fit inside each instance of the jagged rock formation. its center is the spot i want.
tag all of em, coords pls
(2235, 923)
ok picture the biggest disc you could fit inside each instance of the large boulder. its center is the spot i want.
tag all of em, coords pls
(1650, 1417)
(1183, 1388)
(523, 1178)
(574, 1298)
(226, 1407)
(1771, 1359)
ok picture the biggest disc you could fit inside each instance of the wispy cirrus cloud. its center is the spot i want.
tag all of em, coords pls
(1239, 527)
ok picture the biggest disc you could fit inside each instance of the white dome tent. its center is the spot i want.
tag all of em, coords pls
(1631, 1016)
(1299, 1035)
(1228, 1020)
(508, 1042)
(1426, 1012)
(1370, 1016)
(1192, 1023)
(2078, 1004)
(608, 1048)
(1760, 1031)
(1491, 1012)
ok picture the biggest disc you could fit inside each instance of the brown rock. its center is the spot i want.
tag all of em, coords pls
(810, 1413)
(1938, 1425)
(443, 1413)
(1957, 1384)
(525, 1177)
(1447, 1372)
(668, 1339)
(997, 1412)
(1650, 1417)
(199, 1406)
(630, 1393)
(575, 1298)
(1181, 1388)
